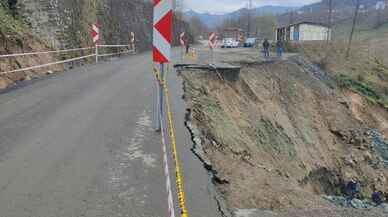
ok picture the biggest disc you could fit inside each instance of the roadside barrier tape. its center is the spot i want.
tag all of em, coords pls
(179, 179)
(158, 76)
(45, 52)
(171, 208)
(171, 131)
(47, 64)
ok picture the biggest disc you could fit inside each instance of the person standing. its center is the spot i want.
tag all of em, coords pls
(279, 48)
(187, 44)
(266, 46)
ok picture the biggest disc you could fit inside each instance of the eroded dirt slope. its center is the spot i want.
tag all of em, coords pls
(282, 135)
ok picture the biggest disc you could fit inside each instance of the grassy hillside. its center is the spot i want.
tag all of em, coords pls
(365, 30)
(366, 70)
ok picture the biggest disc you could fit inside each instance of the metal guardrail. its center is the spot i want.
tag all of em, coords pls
(95, 54)
(113, 45)
(47, 64)
(46, 52)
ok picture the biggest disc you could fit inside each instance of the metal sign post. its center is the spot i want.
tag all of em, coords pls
(132, 41)
(182, 40)
(95, 33)
(211, 55)
(96, 52)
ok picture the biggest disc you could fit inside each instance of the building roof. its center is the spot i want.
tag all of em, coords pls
(303, 22)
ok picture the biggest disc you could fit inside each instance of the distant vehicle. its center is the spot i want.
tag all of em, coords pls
(250, 42)
(229, 43)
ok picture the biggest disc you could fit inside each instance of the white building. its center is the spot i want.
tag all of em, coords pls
(381, 5)
(303, 31)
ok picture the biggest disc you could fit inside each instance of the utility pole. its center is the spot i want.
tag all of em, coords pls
(356, 11)
(250, 7)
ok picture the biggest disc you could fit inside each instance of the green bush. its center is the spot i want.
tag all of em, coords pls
(362, 88)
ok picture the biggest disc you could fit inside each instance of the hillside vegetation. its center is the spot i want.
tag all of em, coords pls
(366, 70)
(15, 37)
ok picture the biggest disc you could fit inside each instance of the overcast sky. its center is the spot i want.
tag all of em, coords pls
(223, 6)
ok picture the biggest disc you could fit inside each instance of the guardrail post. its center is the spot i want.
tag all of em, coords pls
(96, 53)
(161, 89)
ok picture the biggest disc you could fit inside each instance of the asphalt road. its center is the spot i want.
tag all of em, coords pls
(81, 143)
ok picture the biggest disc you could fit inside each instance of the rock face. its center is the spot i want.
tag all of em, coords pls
(43, 15)
(67, 23)
(37, 25)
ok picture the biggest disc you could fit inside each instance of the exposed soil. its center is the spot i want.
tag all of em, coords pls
(23, 42)
(284, 134)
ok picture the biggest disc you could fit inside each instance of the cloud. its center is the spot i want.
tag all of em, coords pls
(223, 6)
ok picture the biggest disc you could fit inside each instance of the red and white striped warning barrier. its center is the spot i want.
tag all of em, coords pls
(182, 38)
(132, 37)
(212, 40)
(95, 33)
(162, 31)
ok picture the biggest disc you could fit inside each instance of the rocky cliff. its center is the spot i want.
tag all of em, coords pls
(67, 23)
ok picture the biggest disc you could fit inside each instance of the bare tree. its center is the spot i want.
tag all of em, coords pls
(356, 12)
(329, 19)
(197, 27)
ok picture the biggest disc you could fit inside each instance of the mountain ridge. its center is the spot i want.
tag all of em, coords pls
(212, 20)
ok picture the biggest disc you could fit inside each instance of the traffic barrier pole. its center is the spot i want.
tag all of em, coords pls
(211, 55)
(182, 53)
(96, 53)
(159, 96)
(161, 90)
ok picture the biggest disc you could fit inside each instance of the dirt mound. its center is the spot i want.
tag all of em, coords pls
(282, 135)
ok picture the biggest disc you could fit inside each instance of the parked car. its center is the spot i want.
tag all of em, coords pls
(229, 43)
(250, 42)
